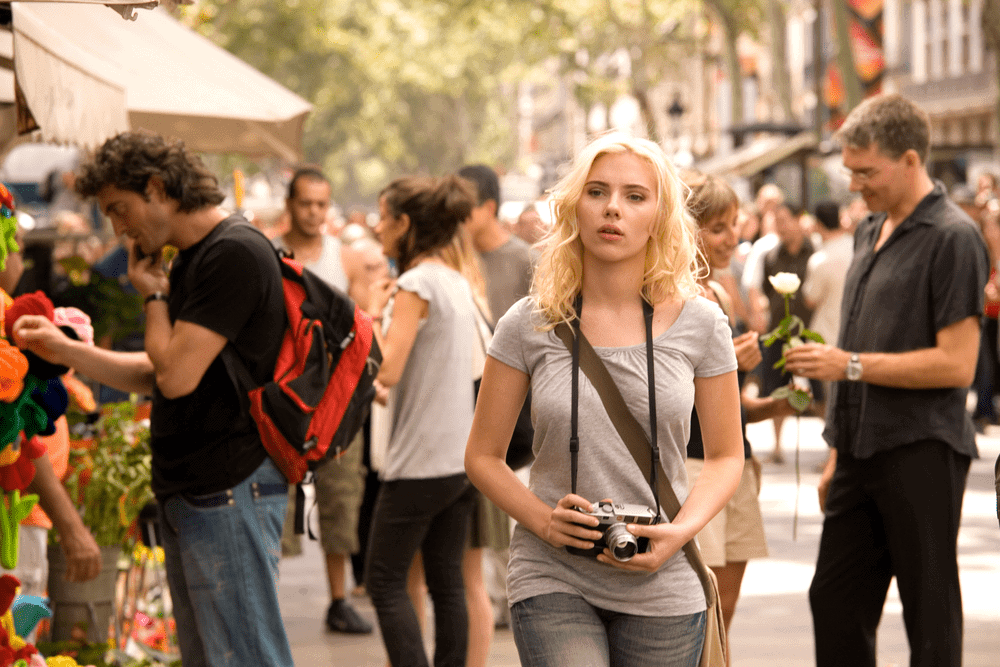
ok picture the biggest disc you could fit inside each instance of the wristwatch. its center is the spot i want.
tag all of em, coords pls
(853, 371)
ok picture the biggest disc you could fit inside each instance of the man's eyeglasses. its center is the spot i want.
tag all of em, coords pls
(859, 176)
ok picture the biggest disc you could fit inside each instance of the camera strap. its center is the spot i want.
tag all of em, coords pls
(574, 439)
(631, 433)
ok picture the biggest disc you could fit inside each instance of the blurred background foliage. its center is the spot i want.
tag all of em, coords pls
(403, 86)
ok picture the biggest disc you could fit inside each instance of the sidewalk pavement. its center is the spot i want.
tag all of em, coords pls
(773, 625)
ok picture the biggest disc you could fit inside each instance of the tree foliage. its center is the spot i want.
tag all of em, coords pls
(398, 86)
(403, 86)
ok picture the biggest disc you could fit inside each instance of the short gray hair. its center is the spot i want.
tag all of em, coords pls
(892, 122)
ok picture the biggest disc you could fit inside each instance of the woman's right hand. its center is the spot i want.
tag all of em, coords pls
(379, 294)
(567, 526)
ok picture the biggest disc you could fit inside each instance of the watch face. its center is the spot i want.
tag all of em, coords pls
(853, 371)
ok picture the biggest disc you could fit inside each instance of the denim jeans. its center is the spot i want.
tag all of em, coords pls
(431, 515)
(222, 554)
(563, 630)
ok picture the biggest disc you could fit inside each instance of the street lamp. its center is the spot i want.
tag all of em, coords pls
(675, 111)
(682, 157)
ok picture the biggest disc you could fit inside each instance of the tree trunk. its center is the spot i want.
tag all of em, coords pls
(779, 61)
(732, 59)
(845, 56)
(641, 95)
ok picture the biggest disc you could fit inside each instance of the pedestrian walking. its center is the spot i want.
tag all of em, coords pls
(620, 259)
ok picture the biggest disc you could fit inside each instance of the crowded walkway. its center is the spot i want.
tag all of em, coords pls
(773, 625)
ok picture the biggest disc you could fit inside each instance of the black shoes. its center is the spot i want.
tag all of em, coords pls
(342, 617)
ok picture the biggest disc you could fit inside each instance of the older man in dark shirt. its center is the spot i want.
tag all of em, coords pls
(902, 439)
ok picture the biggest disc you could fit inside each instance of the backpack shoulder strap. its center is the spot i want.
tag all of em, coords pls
(238, 373)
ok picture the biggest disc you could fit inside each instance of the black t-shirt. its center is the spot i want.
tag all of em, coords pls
(930, 273)
(203, 443)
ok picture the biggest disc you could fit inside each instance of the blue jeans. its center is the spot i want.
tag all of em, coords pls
(563, 630)
(222, 553)
(430, 515)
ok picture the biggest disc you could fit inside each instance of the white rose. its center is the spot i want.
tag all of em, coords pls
(785, 283)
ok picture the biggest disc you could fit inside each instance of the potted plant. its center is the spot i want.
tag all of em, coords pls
(109, 478)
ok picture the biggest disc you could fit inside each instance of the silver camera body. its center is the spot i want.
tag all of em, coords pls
(613, 518)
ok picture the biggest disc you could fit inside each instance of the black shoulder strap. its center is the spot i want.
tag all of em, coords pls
(634, 438)
(239, 374)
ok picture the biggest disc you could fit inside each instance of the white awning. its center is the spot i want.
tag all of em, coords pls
(75, 96)
(757, 156)
(175, 82)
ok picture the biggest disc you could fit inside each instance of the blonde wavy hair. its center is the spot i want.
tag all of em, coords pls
(670, 270)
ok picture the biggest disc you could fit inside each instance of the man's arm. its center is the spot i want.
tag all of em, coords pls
(950, 363)
(126, 371)
(83, 556)
(179, 353)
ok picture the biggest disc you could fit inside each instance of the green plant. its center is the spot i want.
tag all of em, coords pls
(792, 332)
(110, 477)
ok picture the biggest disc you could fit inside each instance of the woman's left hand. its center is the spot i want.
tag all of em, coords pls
(748, 353)
(665, 540)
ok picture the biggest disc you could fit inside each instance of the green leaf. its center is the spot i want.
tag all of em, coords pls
(812, 335)
(799, 399)
(780, 363)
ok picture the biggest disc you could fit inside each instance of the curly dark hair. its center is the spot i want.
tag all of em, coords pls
(435, 206)
(130, 159)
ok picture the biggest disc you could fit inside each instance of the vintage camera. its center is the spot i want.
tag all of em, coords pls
(613, 517)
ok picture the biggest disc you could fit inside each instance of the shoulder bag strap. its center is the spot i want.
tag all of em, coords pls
(635, 439)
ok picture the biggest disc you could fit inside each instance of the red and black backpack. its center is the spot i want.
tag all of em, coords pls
(322, 387)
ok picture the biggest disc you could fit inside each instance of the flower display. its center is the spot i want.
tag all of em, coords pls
(110, 477)
(8, 226)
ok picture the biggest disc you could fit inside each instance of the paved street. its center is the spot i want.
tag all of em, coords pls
(772, 627)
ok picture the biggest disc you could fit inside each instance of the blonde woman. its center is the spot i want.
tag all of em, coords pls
(623, 242)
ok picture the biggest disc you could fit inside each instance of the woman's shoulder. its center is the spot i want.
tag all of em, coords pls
(429, 273)
(519, 314)
(700, 312)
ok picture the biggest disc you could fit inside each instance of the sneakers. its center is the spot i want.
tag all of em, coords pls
(342, 617)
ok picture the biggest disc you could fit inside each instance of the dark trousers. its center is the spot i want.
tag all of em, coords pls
(895, 514)
(987, 371)
(430, 515)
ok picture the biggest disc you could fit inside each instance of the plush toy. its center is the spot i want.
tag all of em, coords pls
(28, 610)
(12, 647)
(13, 368)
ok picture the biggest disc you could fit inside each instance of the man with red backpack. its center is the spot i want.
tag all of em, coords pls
(221, 498)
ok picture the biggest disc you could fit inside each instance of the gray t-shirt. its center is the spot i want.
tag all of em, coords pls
(433, 400)
(507, 271)
(328, 266)
(698, 344)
